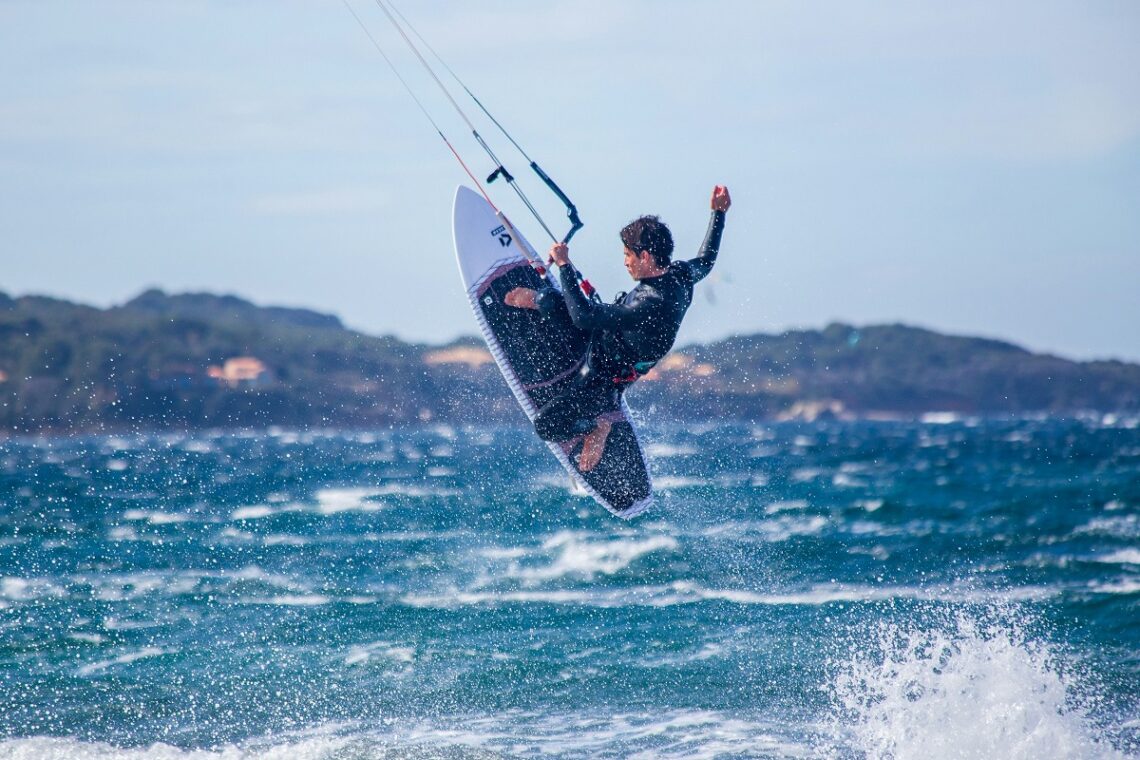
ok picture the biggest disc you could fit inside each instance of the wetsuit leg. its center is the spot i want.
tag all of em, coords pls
(574, 411)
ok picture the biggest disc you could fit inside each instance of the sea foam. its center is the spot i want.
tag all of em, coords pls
(962, 689)
(691, 733)
(576, 556)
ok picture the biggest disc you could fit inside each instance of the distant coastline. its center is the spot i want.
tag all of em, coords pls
(203, 361)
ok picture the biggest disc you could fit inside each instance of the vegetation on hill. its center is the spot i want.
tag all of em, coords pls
(204, 361)
(896, 369)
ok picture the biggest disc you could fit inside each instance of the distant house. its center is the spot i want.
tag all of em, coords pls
(241, 372)
(3, 376)
(680, 365)
(473, 356)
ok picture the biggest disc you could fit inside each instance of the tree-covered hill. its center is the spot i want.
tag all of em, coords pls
(896, 370)
(200, 360)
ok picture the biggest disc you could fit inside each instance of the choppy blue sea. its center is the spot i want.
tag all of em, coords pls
(947, 589)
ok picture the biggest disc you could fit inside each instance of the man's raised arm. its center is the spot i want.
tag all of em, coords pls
(703, 263)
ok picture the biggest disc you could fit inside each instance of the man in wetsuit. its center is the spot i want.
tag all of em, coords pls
(628, 336)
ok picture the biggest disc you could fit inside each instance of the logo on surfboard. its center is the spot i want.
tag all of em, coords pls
(501, 233)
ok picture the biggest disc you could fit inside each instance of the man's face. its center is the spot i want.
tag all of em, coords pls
(638, 264)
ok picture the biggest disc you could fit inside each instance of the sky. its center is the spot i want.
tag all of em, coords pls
(970, 167)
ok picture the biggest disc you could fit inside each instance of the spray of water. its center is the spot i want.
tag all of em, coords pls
(962, 689)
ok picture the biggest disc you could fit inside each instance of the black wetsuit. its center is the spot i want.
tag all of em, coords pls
(627, 337)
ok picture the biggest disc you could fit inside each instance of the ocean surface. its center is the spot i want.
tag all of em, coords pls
(952, 588)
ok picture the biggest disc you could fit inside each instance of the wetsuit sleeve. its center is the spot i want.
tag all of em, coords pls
(590, 315)
(703, 263)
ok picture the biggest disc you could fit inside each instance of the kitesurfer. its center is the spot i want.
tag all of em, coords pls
(628, 336)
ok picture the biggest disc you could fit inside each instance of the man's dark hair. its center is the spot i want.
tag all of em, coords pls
(649, 233)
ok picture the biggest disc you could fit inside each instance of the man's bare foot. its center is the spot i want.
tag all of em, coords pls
(522, 298)
(594, 445)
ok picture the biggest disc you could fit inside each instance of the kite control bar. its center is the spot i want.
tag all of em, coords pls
(571, 209)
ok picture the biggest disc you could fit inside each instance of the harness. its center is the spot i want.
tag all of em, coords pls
(612, 370)
(632, 372)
